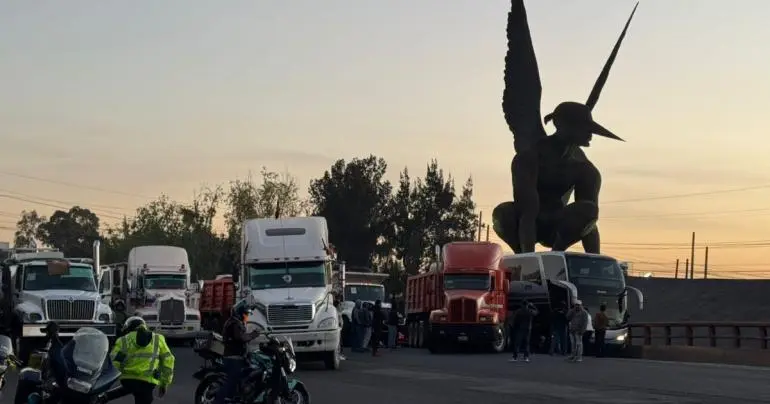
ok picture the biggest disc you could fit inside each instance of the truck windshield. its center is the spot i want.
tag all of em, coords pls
(287, 275)
(365, 293)
(36, 277)
(467, 282)
(162, 281)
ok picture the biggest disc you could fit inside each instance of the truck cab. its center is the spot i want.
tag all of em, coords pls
(287, 276)
(45, 287)
(471, 290)
(359, 284)
(156, 284)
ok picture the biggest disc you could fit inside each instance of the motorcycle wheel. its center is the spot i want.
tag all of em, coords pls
(206, 392)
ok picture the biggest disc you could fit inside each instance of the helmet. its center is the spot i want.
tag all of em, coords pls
(241, 308)
(134, 323)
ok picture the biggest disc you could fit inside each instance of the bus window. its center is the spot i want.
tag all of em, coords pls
(554, 267)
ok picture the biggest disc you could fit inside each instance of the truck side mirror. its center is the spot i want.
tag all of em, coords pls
(506, 287)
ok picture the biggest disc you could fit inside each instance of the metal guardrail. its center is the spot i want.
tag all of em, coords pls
(727, 334)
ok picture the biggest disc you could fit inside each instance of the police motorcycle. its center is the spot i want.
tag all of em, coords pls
(267, 378)
(78, 372)
(7, 360)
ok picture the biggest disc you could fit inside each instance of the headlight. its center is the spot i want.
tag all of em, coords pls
(33, 317)
(191, 317)
(292, 365)
(620, 338)
(330, 322)
(104, 317)
(78, 385)
(485, 319)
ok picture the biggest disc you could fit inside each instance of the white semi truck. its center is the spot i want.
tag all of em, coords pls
(155, 284)
(48, 287)
(286, 274)
(359, 284)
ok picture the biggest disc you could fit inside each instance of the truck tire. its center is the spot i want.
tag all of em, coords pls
(501, 341)
(332, 360)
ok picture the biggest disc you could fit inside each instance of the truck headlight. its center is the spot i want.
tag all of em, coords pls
(440, 318)
(191, 317)
(33, 317)
(485, 319)
(104, 317)
(330, 322)
(620, 338)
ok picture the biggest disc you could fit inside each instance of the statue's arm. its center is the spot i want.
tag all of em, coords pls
(524, 170)
(589, 184)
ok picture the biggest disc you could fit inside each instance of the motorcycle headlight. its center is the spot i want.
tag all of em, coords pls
(78, 385)
(292, 365)
(330, 322)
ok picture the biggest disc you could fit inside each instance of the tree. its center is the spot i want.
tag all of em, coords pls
(167, 222)
(73, 232)
(435, 216)
(27, 228)
(354, 198)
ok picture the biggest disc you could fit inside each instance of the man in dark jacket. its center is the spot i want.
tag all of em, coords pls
(236, 341)
(601, 323)
(378, 320)
(559, 329)
(521, 329)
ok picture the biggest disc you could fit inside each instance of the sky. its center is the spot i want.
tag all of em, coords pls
(128, 100)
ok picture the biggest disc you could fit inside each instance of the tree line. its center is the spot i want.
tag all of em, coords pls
(392, 228)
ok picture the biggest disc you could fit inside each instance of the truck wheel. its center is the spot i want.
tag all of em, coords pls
(332, 360)
(501, 337)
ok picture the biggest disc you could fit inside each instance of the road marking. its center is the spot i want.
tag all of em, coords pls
(536, 389)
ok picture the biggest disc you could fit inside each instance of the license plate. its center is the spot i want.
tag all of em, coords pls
(462, 338)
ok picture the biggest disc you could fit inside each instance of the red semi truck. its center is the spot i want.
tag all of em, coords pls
(461, 299)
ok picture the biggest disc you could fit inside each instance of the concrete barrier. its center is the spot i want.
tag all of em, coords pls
(747, 357)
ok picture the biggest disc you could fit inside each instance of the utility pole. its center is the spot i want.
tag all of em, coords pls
(676, 269)
(481, 215)
(487, 233)
(686, 267)
(692, 256)
(706, 264)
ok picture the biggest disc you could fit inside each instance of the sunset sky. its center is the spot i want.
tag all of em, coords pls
(138, 98)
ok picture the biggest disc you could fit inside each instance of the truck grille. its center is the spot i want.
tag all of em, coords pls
(65, 309)
(171, 312)
(462, 310)
(289, 313)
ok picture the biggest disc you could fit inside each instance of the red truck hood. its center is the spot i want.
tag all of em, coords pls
(468, 294)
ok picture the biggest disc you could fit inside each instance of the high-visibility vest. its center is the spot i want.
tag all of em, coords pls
(153, 363)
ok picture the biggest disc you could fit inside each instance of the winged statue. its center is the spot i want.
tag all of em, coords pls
(547, 169)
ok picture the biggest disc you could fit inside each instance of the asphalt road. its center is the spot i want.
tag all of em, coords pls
(415, 376)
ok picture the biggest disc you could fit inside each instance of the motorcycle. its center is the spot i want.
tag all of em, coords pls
(266, 379)
(7, 360)
(79, 372)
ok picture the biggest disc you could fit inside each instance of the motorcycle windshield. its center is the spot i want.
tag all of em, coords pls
(6, 348)
(89, 352)
(290, 346)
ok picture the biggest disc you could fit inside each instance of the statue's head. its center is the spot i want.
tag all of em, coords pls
(575, 123)
(573, 120)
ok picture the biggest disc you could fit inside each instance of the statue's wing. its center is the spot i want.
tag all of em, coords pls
(521, 97)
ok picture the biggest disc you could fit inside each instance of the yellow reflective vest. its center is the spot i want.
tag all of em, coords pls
(153, 363)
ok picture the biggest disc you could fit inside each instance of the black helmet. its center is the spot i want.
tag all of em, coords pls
(133, 323)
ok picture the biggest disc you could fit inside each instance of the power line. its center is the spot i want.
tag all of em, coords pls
(110, 209)
(69, 184)
(57, 206)
(688, 195)
(687, 214)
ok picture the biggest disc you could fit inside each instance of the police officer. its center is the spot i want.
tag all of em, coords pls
(236, 341)
(144, 360)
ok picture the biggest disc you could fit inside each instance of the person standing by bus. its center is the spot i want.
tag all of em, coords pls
(601, 322)
(578, 324)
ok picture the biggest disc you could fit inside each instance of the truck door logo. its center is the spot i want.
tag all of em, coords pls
(287, 278)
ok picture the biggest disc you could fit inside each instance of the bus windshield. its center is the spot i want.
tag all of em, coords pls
(365, 293)
(165, 281)
(593, 271)
(287, 275)
(36, 277)
(467, 282)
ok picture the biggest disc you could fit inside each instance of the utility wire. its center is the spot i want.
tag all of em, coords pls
(69, 184)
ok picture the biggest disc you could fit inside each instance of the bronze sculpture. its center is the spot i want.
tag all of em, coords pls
(547, 169)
